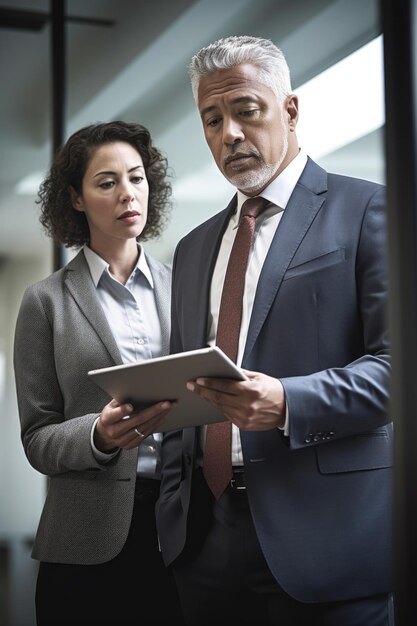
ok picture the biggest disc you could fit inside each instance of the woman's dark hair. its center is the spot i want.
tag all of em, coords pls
(70, 227)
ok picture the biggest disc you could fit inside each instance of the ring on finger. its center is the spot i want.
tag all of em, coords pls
(139, 434)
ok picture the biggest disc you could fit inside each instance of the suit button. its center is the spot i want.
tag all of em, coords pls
(307, 439)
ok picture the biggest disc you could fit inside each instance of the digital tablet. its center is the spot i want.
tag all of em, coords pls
(165, 378)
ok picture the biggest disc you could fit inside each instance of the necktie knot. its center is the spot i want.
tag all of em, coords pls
(252, 207)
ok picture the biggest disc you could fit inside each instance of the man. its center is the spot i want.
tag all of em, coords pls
(301, 535)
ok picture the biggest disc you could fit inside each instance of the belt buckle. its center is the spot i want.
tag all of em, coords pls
(236, 482)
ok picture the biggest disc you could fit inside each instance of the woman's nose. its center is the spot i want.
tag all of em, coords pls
(126, 194)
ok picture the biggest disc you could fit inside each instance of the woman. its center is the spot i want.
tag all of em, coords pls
(107, 189)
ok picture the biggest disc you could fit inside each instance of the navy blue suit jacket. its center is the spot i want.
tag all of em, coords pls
(320, 498)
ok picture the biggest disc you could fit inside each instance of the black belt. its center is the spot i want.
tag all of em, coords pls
(237, 482)
(146, 487)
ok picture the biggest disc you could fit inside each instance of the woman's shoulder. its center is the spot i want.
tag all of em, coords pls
(52, 283)
(157, 265)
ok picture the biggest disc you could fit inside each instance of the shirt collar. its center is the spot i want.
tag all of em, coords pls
(280, 189)
(97, 265)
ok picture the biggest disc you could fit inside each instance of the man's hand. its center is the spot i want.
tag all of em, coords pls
(254, 404)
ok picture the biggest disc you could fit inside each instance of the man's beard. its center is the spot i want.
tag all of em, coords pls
(254, 180)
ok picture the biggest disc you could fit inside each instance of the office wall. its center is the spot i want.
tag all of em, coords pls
(21, 487)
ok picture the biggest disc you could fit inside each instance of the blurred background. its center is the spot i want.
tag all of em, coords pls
(127, 59)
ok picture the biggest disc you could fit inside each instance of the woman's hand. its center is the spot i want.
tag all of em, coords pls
(119, 427)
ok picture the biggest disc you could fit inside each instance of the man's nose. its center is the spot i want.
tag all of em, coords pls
(232, 131)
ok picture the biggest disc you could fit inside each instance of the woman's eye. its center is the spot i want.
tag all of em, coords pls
(136, 179)
(108, 184)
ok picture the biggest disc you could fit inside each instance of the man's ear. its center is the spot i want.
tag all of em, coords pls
(76, 200)
(291, 107)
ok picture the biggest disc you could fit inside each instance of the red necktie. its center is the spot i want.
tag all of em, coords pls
(217, 465)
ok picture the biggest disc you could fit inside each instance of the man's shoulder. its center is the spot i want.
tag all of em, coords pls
(353, 182)
(214, 221)
(354, 196)
(338, 180)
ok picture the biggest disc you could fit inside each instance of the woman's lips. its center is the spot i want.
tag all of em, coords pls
(128, 216)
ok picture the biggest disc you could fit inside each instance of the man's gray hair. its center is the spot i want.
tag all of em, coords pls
(231, 51)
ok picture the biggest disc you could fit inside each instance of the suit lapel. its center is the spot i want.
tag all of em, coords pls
(207, 257)
(303, 206)
(81, 287)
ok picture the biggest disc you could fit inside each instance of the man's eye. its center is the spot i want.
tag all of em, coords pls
(249, 112)
(213, 121)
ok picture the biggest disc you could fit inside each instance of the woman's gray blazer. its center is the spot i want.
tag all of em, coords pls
(62, 333)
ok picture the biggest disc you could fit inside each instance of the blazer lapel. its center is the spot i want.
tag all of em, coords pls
(303, 206)
(80, 285)
(162, 285)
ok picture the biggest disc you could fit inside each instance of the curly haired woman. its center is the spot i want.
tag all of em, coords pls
(107, 191)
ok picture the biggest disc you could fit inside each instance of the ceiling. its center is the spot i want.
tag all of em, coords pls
(136, 70)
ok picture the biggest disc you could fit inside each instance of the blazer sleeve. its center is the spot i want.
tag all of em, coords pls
(53, 444)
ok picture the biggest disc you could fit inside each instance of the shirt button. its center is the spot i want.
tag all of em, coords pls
(141, 342)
